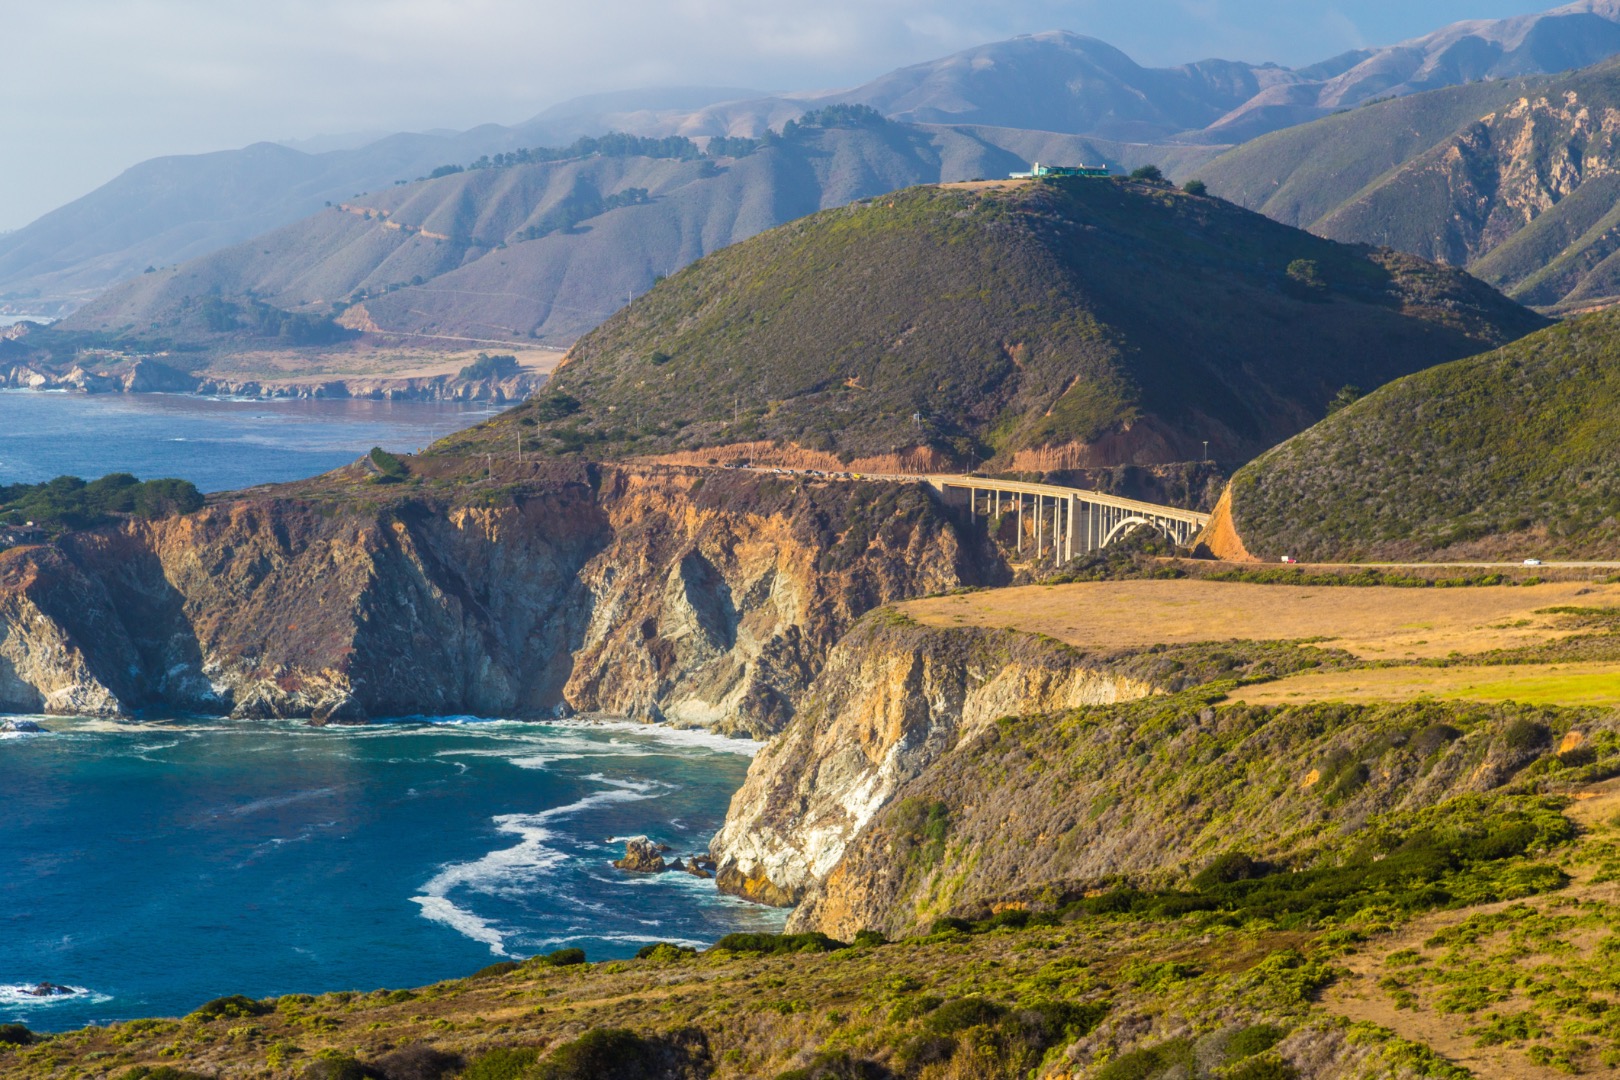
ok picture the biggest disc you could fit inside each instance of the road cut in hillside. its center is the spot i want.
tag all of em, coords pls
(1378, 622)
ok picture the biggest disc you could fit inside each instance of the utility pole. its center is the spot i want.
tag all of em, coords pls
(518, 435)
(1206, 449)
(489, 466)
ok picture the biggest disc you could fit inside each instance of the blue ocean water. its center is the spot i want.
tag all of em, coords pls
(154, 866)
(216, 443)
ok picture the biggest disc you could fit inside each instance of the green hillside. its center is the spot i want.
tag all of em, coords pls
(1509, 454)
(1514, 180)
(1126, 322)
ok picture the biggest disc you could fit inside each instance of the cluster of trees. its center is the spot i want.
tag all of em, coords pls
(613, 144)
(835, 116)
(489, 367)
(69, 502)
(259, 319)
(672, 147)
(583, 202)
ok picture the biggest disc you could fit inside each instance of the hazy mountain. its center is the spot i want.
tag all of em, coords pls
(547, 251)
(170, 209)
(1515, 180)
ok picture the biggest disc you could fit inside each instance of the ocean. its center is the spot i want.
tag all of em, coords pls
(153, 866)
(216, 443)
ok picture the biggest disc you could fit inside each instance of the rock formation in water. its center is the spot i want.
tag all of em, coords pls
(697, 597)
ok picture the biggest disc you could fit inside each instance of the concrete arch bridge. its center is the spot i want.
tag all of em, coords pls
(1062, 522)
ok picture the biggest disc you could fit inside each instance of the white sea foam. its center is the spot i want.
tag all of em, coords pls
(15, 995)
(512, 869)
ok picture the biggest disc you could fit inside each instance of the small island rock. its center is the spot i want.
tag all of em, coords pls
(642, 856)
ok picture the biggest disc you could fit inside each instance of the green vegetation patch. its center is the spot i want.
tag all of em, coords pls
(70, 503)
(1510, 451)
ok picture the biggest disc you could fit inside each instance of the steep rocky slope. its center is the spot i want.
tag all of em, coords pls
(936, 773)
(1047, 325)
(1514, 180)
(1505, 455)
(703, 600)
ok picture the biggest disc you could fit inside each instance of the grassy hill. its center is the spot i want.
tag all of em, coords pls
(1510, 454)
(544, 251)
(1515, 180)
(1096, 322)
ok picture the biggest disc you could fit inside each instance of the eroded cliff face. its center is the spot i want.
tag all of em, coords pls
(893, 700)
(702, 598)
(956, 772)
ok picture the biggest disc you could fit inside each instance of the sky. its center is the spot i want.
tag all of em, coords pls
(91, 87)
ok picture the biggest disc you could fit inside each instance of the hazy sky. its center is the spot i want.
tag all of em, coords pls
(90, 87)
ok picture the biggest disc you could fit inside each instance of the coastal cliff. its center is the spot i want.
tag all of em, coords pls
(698, 597)
(893, 700)
(955, 772)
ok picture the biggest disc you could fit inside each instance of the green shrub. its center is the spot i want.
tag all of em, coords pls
(1523, 735)
(234, 1007)
(837, 1065)
(339, 1068)
(558, 958)
(775, 944)
(15, 1035)
(161, 1072)
(1253, 1040)
(950, 924)
(912, 1007)
(954, 1016)
(866, 939)
(1233, 866)
(390, 469)
(618, 1054)
(418, 1062)
(1151, 1061)
(1263, 1068)
(503, 967)
(511, 1063)
(664, 950)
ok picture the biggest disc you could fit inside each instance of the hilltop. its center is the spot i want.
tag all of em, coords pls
(1048, 325)
(1507, 454)
(1514, 180)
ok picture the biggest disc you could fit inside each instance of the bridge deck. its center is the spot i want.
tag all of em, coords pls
(1053, 491)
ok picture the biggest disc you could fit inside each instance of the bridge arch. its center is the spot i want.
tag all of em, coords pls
(1130, 525)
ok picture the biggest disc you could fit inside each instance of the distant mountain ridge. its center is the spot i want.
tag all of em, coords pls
(1516, 180)
(544, 252)
(1030, 92)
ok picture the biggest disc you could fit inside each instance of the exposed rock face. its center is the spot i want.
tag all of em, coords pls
(958, 772)
(643, 856)
(893, 700)
(697, 597)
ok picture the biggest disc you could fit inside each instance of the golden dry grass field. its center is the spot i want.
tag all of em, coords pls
(1373, 623)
